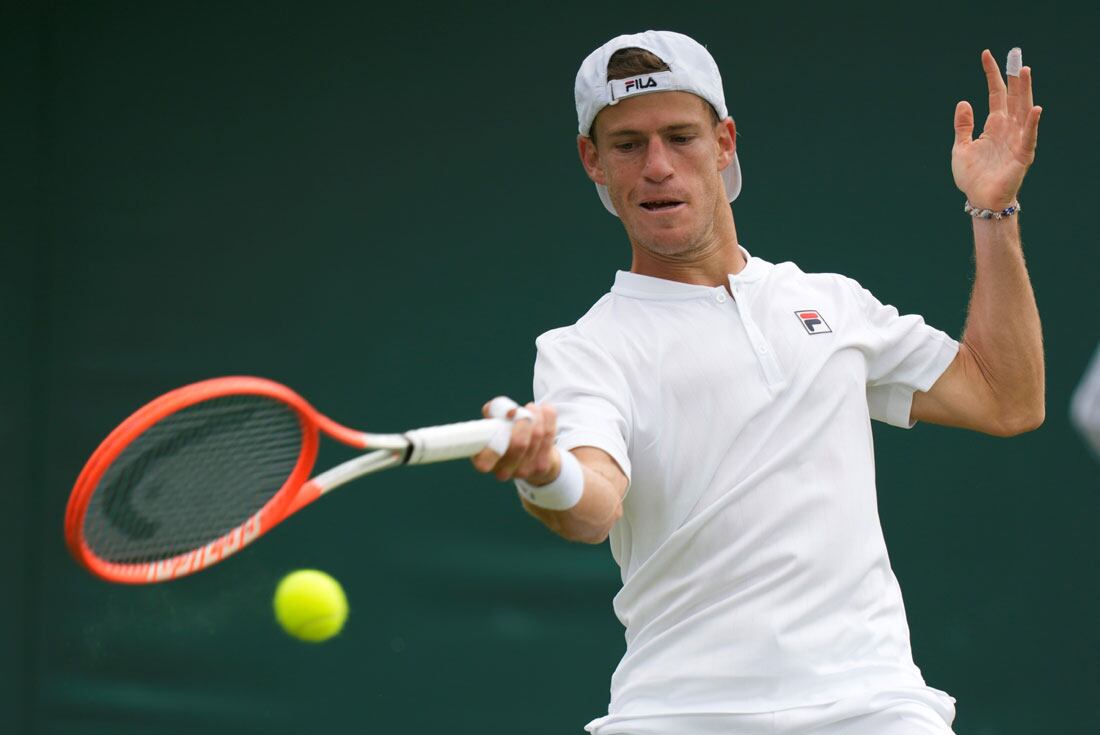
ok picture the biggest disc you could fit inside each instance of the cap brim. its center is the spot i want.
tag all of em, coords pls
(731, 177)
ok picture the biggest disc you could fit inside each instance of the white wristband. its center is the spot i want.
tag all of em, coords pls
(561, 494)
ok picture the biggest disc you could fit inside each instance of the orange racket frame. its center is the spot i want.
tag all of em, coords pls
(419, 446)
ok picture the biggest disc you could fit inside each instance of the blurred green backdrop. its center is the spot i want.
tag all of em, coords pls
(381, 207)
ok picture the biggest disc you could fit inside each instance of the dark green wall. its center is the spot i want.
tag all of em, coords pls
(382, 208)
(23, 302)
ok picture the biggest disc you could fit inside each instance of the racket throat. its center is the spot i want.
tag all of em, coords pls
(348, 471)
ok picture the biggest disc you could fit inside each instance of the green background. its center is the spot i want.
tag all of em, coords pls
(382, 208)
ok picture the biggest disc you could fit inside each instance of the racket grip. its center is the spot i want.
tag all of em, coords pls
(456, 441)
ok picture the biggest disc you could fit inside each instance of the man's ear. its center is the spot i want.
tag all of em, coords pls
(726, 132)
(590, 159)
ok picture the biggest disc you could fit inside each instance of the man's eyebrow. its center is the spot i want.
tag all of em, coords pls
(675, 128)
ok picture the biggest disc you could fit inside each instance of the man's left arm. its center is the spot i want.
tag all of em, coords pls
(996, 383)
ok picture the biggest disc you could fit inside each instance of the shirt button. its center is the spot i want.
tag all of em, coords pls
(720, 298)
(762, 350)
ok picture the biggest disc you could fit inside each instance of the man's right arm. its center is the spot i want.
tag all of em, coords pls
(591, 519)
(532, 456)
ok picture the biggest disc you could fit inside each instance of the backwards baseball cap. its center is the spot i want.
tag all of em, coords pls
(691, 69)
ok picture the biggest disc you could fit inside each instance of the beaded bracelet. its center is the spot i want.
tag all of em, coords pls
(991, 213)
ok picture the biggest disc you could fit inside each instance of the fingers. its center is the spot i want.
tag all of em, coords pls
(964, 123)
(530, 451)
(998, 93)
(1031, 132)
(501, 407)
(1015, 98)
(1019, 81)
(1025, 79)
(1020, 99)
(484, 460)
(525, 435)
(541, 458)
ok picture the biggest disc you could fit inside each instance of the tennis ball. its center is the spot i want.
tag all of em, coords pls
(310, 605)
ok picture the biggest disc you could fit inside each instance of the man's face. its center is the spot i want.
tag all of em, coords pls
(660, 156)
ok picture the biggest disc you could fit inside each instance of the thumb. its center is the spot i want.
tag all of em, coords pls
(499, 407)
(964, 122)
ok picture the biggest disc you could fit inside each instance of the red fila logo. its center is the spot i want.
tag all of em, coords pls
(633, 85)
(812, 321)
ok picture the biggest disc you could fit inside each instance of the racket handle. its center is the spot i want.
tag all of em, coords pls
(457, 441)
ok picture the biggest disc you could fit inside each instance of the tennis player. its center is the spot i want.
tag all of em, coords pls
(711, 414)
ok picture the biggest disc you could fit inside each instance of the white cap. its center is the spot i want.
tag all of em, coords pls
(691, 69)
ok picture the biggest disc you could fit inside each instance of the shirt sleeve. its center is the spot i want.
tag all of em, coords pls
(587, 389)
(1085, 405)
(904, 355)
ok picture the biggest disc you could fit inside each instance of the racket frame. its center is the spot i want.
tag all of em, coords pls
(276, 509)
(429, 444)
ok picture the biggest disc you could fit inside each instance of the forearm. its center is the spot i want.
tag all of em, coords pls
(590, 486)
(591, 519)
(1003, 332)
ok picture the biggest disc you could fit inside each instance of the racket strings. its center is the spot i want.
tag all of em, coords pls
(191, 478)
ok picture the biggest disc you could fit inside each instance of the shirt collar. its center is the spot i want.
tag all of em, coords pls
(638, 286)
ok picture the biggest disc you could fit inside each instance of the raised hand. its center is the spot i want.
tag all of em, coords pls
(991, 169)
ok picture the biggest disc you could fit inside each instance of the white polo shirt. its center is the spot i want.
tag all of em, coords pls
(1085, 404)
(755, 574)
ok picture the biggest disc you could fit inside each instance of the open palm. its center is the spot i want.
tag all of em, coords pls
(991, 169)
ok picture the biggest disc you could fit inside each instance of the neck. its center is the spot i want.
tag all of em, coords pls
(708, 264)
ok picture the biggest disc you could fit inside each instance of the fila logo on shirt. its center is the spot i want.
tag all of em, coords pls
(812, 321)
(633, 85)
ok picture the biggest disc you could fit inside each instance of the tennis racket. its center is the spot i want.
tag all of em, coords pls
(199, 473)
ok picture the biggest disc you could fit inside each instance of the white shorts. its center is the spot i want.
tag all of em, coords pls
(903, 712)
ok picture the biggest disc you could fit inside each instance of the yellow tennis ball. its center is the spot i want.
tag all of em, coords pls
(310, 605)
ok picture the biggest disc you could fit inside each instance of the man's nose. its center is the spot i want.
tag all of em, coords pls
(658, 165)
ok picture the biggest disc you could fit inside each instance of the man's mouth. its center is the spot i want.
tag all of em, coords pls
(660, 205)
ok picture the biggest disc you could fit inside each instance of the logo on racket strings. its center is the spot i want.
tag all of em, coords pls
(204, 556)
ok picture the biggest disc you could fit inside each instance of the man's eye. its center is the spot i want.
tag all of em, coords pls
(681, 138)
(624, 146)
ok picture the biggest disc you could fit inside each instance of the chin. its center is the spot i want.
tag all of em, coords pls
(666, 241)
(668, 245)
(674, 236)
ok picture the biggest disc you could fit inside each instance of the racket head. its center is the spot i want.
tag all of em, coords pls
(150, 504)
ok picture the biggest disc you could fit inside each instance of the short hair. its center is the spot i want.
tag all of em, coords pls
(629, 62)
(632, 61)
